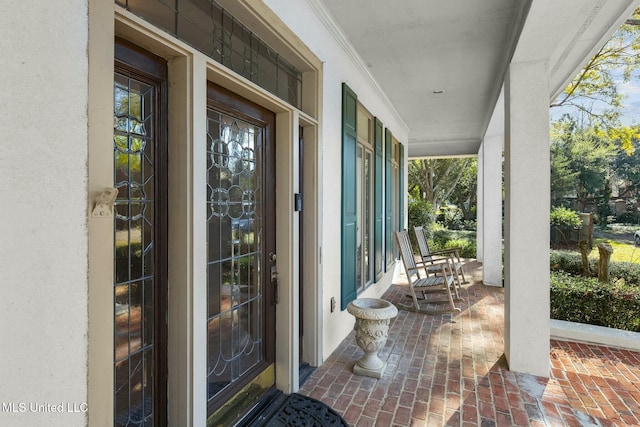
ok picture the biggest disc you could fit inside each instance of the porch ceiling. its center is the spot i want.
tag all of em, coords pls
(414, 48)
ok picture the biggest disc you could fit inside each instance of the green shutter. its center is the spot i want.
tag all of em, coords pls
(378, 213)
(348, 285)
(401, 195)
(388, 199)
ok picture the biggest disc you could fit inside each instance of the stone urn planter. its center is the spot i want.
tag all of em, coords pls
(372, 329)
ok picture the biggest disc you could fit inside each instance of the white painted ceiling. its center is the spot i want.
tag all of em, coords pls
(414, 48)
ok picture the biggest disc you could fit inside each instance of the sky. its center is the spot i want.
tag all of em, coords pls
(631, 111)
(631, 89)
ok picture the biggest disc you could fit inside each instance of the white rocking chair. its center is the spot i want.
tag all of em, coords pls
(442, 282)
(426, 256)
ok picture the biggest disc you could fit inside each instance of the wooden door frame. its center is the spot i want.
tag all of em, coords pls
(139, 64)
(301, 253)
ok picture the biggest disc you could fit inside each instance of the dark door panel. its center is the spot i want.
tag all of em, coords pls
(140, 238)
(241, 241)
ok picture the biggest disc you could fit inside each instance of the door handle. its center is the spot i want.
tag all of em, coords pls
(274, 277)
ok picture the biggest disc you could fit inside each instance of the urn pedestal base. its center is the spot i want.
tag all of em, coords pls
(372, 329)
(369, 372)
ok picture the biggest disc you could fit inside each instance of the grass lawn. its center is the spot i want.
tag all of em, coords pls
(622, 252)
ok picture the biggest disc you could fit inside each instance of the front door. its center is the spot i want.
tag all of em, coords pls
(241, 253)
(140, 240)
(300, 244)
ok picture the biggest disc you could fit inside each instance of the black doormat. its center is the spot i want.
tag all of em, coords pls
(298, 410)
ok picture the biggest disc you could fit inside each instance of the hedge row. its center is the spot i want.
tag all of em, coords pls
(585, 300)
(571, 262)
(446, 239)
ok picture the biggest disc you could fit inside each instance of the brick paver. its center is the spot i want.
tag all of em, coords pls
(449, 370)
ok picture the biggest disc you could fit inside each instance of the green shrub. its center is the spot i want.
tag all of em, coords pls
(585, 300)
(420, 213)
(562, 217)
(441, 235)
(571, 262)
(627, 271)
(467, 248)
(564, 225)
(470, 224)
(450, 216)
(446, 239)
(437, 227)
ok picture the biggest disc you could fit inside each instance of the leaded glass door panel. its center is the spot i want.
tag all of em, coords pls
(241, 228)
(140, 251)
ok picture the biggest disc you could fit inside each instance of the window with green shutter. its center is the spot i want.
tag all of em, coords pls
(370, 198)
(388, 189)
(378, 204)
(401, 195)
(348, 283)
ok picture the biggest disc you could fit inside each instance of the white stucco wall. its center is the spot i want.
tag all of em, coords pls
(338, 67)
(43, 219)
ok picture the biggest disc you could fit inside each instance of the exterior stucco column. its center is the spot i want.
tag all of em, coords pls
(44, 213)
(480, 207)
(492, 210)
(527, 195)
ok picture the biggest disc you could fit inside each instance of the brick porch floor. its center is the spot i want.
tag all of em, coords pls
(450, 370)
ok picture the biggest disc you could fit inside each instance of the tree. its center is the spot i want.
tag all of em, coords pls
(627, 169)
(593, 96)
(626, 172)
(465, 194)
(581, 160)
(434, 180)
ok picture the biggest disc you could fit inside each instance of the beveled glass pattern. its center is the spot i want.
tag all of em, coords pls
(133, 251)
(364, 219)
(235, 223)
(368, 215)
(359, 218)
(206, 26)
